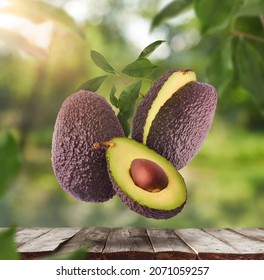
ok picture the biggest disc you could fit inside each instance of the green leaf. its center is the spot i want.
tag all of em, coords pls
(123, 119)
(171, 10)
(9, 160)
(252, 8)
(113, 99)
(93, 84)
(128, 98)
(126, 102)
(215, 14)
(250, 67)
(219, 71)
(101, 62)
(250, 26)
(8, 249)
(139, 68)
(150, 48)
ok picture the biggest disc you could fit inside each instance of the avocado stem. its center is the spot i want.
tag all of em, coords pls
(105, 144)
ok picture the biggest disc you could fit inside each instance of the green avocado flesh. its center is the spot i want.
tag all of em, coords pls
(120, 154)
(177, 80)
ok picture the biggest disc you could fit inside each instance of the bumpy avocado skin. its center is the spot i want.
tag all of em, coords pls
(145, 105)
(84, 119)
(144, 210)
(183, 123)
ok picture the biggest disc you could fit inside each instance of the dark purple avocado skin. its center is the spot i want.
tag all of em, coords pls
(144, 210)
(144, 106)
(84, 119)
(182, 123)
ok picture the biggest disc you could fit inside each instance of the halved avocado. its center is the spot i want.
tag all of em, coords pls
(175, 116)
(158, 203)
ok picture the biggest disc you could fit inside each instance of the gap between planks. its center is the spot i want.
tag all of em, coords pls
(140, 243)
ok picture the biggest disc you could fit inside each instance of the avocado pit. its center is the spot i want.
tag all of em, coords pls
(148, 175)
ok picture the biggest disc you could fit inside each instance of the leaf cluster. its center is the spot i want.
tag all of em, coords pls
(9, 160)
(138, 70)
(238, 28)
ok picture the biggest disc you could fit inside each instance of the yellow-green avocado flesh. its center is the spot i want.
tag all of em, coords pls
(176, 81)
(160, 205)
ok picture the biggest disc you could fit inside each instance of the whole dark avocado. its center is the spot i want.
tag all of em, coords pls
(84, 119)
(175, 116)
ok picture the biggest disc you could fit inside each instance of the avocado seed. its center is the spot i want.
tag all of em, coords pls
(148, 175)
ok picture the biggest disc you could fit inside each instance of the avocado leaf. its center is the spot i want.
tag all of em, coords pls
(250, 71)
(139, 68)
(93, 84)
(113, 99)
(171, 10)
(215, 14)
(101, 62)
(150, 48)
(222, 75)
(126, 104)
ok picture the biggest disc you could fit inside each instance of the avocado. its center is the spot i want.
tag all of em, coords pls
(175, 116)
(84, 118)
(144, 180)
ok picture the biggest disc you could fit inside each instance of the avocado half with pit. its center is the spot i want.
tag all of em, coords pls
(175, 116)
(144, 180)
(84, 118)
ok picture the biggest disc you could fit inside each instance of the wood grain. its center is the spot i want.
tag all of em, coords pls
(48, 243)
(128, 243)
(167, 245)
(207, 246)
(247, 247)
(140, 243)
(92, 240)
(253, 233)
(25, 235)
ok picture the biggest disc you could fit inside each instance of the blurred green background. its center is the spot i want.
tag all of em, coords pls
(45, 55)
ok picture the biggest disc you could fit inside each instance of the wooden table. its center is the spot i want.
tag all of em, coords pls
(141, 243)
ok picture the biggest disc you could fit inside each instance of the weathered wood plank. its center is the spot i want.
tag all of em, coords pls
(168, 246)
(247, 248)
(92, 240)
(48, 243)
(128, 243)
(255, 233)
(24, 235)
(206, 246)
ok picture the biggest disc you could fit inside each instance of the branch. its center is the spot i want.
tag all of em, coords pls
(246, 35)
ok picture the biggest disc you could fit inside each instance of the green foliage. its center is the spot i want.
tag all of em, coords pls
(126, 102)
(7, 245)
(150, 48)
(93, 84)
(215, 15)
(101, 62)
(250, 68)
(9, 160)
(140, 68)
(237, 57)
(171, 10)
